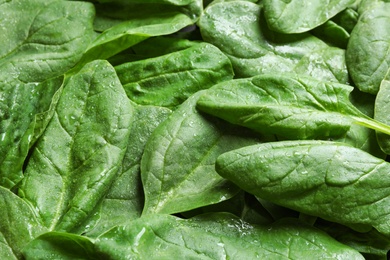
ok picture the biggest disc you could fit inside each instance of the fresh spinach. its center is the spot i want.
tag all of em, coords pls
(226, 129)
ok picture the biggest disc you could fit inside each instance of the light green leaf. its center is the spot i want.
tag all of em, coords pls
(218, 236)
(295, 16)
(319, 178)
(177, 167)
(367, 54)
(170, 79)
(78, 156)
(382, 108)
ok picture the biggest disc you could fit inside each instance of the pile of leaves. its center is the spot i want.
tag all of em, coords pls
(183, 129)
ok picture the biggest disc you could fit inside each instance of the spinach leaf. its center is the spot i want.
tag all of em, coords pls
(78, 156)
(218, 236)
(367, 53)
(319, 178)
(59, 245)
(382, 108)
(297, 16)
(332, 33)
(18, 225)
(130, 32)
(239, 29)
(290, 106)
(177, 166)
(170, 79)
(112, 13)
(41, 40)
(125, 199)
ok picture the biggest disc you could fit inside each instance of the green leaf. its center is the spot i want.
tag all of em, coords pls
(18, 225)
(177, 167)
(170, 79)
(78, 156)
(332, 33)
(382, 108)
(40, 41)
(218, 236)
(367, 54)
(111, 13)
(128, 33)
(294, 107)
(58, 245)
(295, 16)
(319, 178)
(239, 29)
(125, 199)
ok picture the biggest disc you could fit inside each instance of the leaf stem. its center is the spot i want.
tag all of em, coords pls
(372, 124)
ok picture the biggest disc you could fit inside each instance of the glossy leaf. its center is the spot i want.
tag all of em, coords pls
(57, 245)
(177, 167)
(170, 79)
(18, 225)
(319, 178)
(239, 29)
(125, 199)
(290, 106)
(79, 154)
(128, 33)
(382, 108)
(218, 236)
(40, 40)
(297, 16)
(367, 54)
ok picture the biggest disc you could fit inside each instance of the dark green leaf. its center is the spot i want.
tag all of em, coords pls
(177, 167)
(330, 180)
(296, 16)
(218, 236)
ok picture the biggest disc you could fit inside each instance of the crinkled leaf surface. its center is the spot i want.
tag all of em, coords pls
(330, 180)
(170, 79)
(18, 225)
(78, 156)
(239, 29)
(177, 167)
(40, 40)
(367, 54)
(125, 199)
(290, 106)
(218, 236)
(296, 16)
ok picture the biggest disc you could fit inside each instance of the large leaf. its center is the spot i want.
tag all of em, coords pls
(218, 236)
(170, 79)
(293, 107)
(319, 178)
(125, 199)
(18, 225)
(239, 29)
(296, 16)
(78, 156)
(382, 109)
(367, 55)
(40, 40)
(177, 167)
